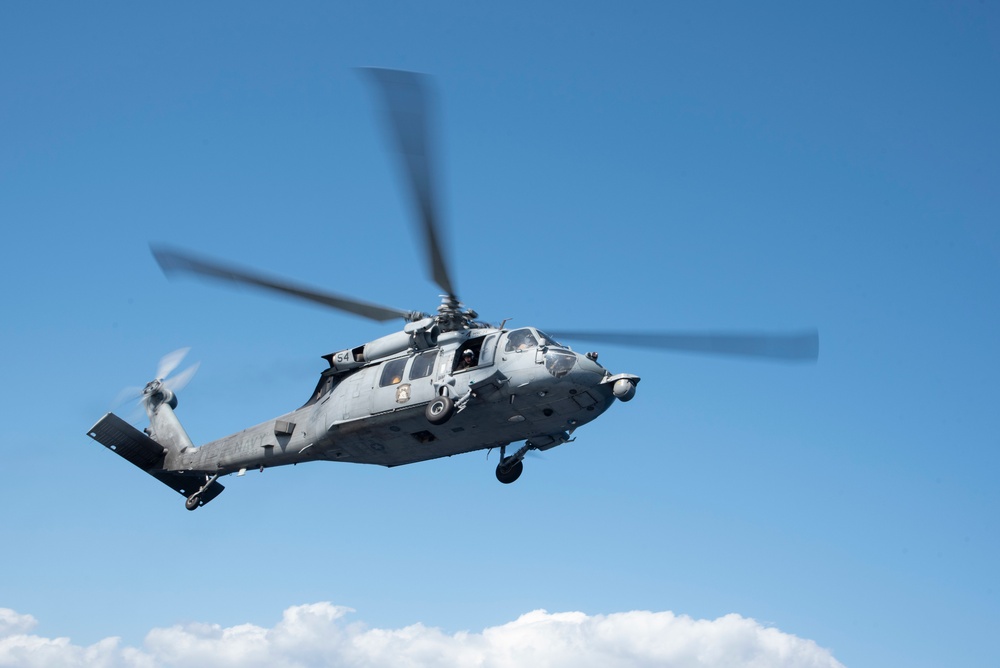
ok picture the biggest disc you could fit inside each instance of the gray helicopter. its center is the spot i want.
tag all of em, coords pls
(446, 384)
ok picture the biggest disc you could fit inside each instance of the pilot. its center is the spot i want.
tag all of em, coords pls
(520, 340)
(466, 361)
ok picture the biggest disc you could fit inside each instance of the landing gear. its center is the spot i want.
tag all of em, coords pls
(440, 410)
(508, 471)
(194, 501)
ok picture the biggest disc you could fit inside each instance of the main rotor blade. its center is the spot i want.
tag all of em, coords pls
(172, 261)
(793, 346)
(407, 110)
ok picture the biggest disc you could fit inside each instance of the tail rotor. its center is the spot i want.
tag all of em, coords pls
(168, 364)
(163, 388)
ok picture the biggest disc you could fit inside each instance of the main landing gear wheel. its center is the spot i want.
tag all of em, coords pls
(192, 502)
(507, 472)
(440, 410)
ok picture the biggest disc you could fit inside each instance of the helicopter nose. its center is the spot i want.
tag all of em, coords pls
(588, 372)
(588, 364)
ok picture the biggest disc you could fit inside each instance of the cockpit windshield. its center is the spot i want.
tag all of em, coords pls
(520, 339)
(525, 339)
(548, 340)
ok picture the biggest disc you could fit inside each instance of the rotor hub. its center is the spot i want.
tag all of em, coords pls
(452, 315)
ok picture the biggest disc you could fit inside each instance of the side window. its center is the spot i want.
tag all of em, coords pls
(520, 339)
(423, 364)
(392, 372)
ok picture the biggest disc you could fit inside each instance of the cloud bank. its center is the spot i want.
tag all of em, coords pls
(320, 635)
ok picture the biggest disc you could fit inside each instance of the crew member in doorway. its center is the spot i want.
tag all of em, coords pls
(467, 360)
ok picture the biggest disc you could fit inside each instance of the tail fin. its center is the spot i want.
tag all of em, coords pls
(164, 427)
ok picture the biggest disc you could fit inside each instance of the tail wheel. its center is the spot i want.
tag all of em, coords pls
(440, 410)
(192, 502)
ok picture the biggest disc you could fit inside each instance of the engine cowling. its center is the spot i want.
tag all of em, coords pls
(418, 335)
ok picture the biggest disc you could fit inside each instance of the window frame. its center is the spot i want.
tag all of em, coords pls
(431, 356)
(392, 369)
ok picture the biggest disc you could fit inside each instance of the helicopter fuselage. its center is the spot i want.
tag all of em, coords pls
(513, 386)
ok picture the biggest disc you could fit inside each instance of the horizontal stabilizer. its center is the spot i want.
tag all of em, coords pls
(125, 440)
(187, 484)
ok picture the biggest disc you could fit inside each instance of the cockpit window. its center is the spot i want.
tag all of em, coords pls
(423, 364)
(392, 372)
(520, 339)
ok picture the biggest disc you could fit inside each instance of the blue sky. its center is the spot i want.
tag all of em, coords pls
(657, 166)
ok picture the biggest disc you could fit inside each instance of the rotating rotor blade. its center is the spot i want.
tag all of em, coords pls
(793, 346)
(180, 381)
(407, 99)
(130, 394)
(171, 361)
(174, 261)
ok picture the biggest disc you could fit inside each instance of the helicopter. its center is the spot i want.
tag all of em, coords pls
(447, 383)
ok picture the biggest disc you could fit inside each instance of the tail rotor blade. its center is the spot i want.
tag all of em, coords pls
(127, 395)
(800, 346)
(178, 382)
(171, 361)
(407, 99)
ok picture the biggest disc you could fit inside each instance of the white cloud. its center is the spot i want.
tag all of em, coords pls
(320, 635)
(12, 623)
